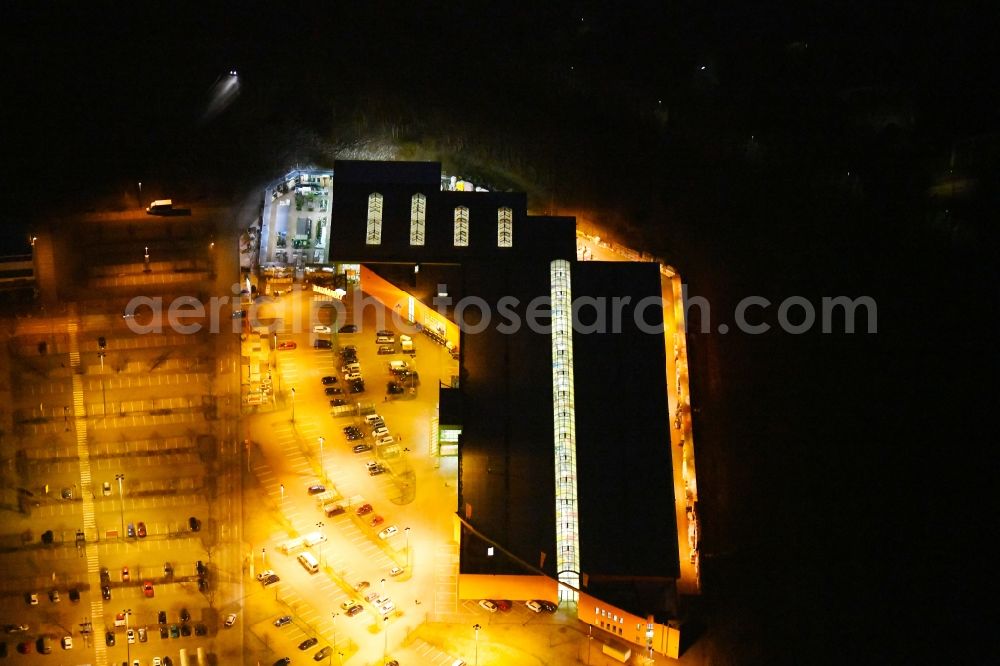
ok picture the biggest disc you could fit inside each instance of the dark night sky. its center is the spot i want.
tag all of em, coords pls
(844, 476)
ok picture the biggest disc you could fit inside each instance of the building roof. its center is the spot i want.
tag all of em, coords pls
(625, 479)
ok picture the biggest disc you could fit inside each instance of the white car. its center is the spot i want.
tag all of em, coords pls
(385, 440)
(67, 643)
(380, 432)
(157, 661)
(321, 329)
(106, 488)
(264, 574)
(395, 571)
(231, 619)
(351, 376)
(488, 605)
(372, 418)
(533, 606)
(130, 634)
(388, 532)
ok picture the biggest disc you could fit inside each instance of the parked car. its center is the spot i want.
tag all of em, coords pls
(106, 592)
(109, 638)
(348, 328)
(141, 529)
(283, 620)
(31, 599)
(386, 349)
(349, 350)
(67, 643)
(358, 386)
(362, 585)
(308, 643)
(194, 524)
(200, 630)
(395, 571)
(488, 605)
(130, 531)
(375, 470)
(376, 520)
(125, 575)
(147, 588)
(364, 509)
(333, 390)
(175, 631)
(130, 635)
(161, 617)
(322, 344)
(143, 637)
(548, 606)
(354, 610)
(322, 654)
(533, 606)
(54, 596)
(316, 489)
(329, 379)
(319, 328)
(361, 448)
(106, 488)
(284, 661)
(74, 594)
(388, 532)
(230, 620)
(338, 402)
(287, 344)
(504, 604)
(392, 388)
(270, 580)
(264, 574)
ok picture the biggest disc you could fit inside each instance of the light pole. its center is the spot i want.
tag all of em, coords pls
(322, 466)
(121, 498)
(477, 628)
(407, 532)
(319, 525)
(145, 259)
(293, 404)
(102, 344)
(282, 488)
(385, 639)
(128, 646)
(334, 616)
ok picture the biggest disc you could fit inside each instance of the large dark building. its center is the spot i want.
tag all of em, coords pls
(561, 411)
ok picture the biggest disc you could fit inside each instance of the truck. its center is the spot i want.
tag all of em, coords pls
(165, 207)
(617, 651)
(293, 546)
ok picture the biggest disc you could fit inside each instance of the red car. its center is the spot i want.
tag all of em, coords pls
(147, 588)
(503, 604)
(287, 344)
(377, 520)
(140, 529)
(364, 509)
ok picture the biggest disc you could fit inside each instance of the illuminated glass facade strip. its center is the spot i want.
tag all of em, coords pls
(564, 427)
(418, 218)
(373, 233)
(461, 226)
(505, 232)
